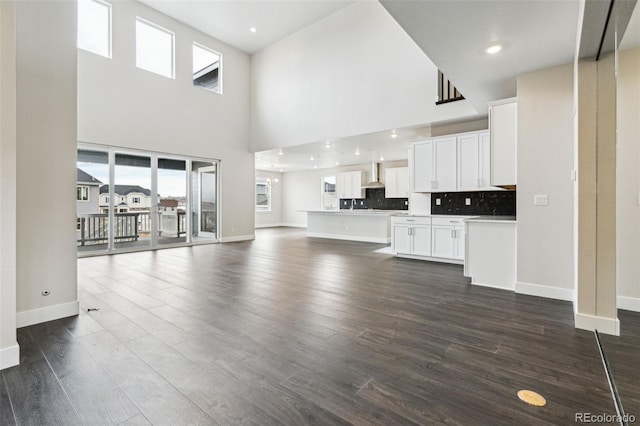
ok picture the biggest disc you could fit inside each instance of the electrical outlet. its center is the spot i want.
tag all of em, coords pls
(467, 201)
(406, 203)
(438, 201)
(540, 200)
(361, 202)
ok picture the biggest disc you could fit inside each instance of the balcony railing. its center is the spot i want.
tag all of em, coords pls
(94, 228)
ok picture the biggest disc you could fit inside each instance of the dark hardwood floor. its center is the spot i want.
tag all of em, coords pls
(294, 330)
(623, 356)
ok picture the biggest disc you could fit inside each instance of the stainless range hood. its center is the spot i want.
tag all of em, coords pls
(375, 183)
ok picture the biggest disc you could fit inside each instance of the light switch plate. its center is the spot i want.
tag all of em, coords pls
(438, 202)
(540, 200)
(467, 201)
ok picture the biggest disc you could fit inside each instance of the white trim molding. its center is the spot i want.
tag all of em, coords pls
(294, 225)
(281, 225)
(545, 291)
(237, 238)
(380, 240)
(629, 303)
(10, 356)
(48, 313)
(602, 324)
(498, 286)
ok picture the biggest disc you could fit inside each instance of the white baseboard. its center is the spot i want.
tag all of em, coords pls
(269, 225)
(237, 238)
(48, 313)
(430, 259)
(9, 356)
(498, 286)
(602, 324)
(545, 291)
(629, 303)
(380, 240)
(294, 225)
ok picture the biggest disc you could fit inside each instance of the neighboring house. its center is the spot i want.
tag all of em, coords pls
(129, 198)
(87, 193)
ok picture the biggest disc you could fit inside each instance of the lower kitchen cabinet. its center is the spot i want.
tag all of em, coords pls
(429, 238)
(411, 236)
(448, 238)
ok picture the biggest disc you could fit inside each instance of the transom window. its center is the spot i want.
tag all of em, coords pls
(94, 27)
(207, 69)
(154, 48)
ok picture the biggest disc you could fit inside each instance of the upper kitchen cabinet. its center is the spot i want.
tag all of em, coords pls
(460, 162)
(474, 163)
(434, 165)
(396, 182)
(503, 125)
(349, 185)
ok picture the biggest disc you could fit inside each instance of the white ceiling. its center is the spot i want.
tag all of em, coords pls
(374, 147)
(535, 34)
(229, 20)
(631, 37)
(454, 35)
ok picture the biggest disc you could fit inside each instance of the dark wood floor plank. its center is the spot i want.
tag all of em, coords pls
(6, 411)
(37, 396)
(294, 330)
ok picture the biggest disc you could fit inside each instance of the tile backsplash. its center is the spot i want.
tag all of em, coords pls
(482, 203)
(375, 200)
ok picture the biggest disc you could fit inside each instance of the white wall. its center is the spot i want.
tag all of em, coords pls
(274, 217)
(354, 72)
(545, 162)
(628, 180)
(121, 105)
(46, 152)
(302, 189)
(9, 351)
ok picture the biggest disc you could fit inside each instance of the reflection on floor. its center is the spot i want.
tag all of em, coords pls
(293, 330)
(623, 356)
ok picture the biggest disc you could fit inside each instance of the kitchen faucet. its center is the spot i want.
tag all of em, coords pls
(353, 203)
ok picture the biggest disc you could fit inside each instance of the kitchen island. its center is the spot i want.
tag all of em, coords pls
(354, 225)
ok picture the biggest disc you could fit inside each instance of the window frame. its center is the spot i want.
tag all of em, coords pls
(79, 190)
(144, 21)
(220, 65)
(109, 7)
(323, 193)
(267, 183)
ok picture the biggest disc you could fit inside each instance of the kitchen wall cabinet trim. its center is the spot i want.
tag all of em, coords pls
(349, 185)
(503, 127)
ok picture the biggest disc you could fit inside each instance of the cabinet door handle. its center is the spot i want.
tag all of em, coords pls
(408, 231)
(411, 220)
(453, 233)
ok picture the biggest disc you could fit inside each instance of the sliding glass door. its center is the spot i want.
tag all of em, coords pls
(132, 200)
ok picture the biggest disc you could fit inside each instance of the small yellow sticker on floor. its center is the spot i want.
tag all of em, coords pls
(531, 397)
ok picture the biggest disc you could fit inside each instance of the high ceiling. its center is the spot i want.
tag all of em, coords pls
(534, 34)
(230, 20)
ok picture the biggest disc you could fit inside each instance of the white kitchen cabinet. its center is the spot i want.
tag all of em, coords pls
(422, 165)
(474, 163)
(396, 182)
(411, 235)
(503, 126)
(434, 165)
(448, 238)
(349, 185)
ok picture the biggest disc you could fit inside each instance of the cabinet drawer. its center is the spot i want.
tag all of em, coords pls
(411, 220)
(451, 221)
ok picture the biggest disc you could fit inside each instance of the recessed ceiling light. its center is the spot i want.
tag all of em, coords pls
(327, 145)
(311, 158)
(280, 152)
(253, 29)
(394, 135)
(337, 163)
(493, 49)
(357, 152)
(381, 158)
(315, 166)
